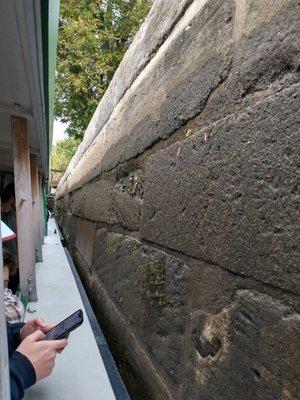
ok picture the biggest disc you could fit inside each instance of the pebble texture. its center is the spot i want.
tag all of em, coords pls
(180, 206)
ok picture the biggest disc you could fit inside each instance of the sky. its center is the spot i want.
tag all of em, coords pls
(58, 131)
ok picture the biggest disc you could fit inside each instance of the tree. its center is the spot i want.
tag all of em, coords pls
(93, 37)
(63, 152)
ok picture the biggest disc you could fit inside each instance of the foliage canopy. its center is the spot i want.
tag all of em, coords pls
(62, 153)
(93, 37)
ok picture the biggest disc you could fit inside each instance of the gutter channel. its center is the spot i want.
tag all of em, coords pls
(114, 376)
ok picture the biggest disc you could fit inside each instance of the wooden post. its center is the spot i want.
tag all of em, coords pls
(4, 367)
(36, 206)
(25, 232)
(44, 198)
(42, 216)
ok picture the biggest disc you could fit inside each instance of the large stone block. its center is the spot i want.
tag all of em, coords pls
(212, 288)
(266, 57)
(265, 52)
(128, 199)
(164, 14)
(144, 379)
(228, 194)
(112, 200)
(247, 351)
(192, 63)
(127, 209)
(68, 225)
(85, 235)
(94, 201)
(63, 203)
(149, 287)
(58, 211)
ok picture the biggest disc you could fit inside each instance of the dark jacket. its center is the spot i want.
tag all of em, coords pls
(22, 373)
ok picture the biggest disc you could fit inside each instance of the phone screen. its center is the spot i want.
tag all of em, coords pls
(61, 330)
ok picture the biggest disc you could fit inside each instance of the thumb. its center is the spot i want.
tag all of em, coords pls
(36, 336)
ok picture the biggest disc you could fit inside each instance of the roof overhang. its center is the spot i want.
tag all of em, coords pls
(28, 38)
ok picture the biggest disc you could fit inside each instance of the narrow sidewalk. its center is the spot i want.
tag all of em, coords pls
(79, 373)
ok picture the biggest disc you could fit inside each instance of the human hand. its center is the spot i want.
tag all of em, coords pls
(34, 325)
(41, 353)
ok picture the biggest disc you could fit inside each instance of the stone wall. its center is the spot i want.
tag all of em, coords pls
(179, 207)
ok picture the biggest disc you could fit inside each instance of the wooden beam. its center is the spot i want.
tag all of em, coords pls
(25, 232)
(45, 224)
(36, 206)
(42, 219)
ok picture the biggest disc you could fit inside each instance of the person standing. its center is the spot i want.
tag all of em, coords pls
(14, 308)
(8, 216)
(30, 357)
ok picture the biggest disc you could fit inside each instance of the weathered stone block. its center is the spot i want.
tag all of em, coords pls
(265, 52)
(149, 287)
(159, 23)
(127, 209)
(63, 203)
(58, 213)
(247, 350)
(266, 57)
(212, 288)
(128, 349)
(128, 199)
(109, 201)
(68, 226)
(85, 235)
(193, 63)
(228, 193)
(94, 201)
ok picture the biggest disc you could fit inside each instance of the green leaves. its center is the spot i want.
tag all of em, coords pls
(62, 153)
(93, 37)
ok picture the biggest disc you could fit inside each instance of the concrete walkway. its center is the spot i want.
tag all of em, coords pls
(79, 373)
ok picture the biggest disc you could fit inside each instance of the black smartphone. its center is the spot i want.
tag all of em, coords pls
(66, 326)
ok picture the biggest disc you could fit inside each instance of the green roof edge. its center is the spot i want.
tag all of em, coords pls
(49, 18)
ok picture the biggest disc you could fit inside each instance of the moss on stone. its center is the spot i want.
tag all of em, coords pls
(114, 241)
(134, 182)
(132, 247)
(152, 280)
